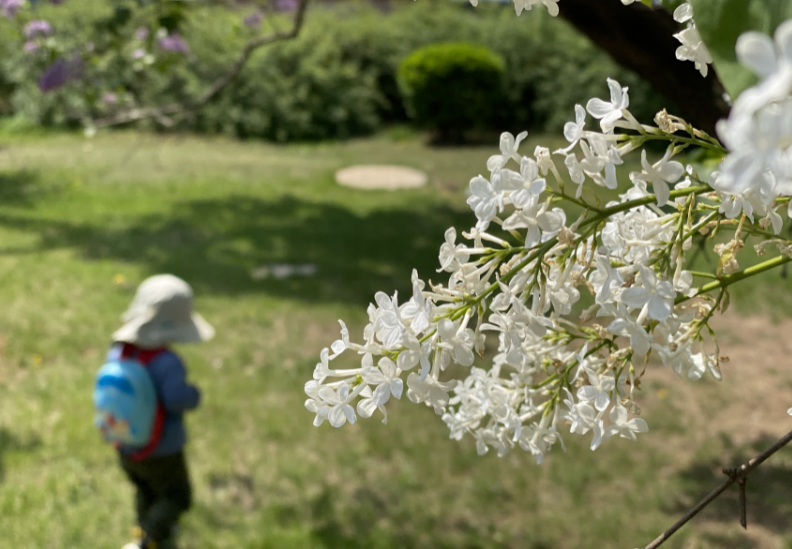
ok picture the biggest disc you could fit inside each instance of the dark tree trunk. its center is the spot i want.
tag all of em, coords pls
(641, 39)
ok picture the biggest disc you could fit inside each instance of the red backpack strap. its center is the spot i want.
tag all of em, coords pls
(145, 356)
(156, 435)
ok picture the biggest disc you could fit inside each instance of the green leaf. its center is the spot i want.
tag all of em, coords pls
(721, 22)
(725, 301)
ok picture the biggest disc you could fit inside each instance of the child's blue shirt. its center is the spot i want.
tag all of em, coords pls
(176, 395)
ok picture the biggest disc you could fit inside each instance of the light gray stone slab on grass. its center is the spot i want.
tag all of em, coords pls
(376, 177)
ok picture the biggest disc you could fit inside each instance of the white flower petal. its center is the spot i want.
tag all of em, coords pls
(662, 192)
(618, 415)
(387, 366)
(571, 132)
(783, 39)
(640, 341)
(496, 162)
(338, 347)
(587, 393)
(580, 115)
(615, 92)
(382, 394)
(396, 387)
(659, 308)
(408, 359)
(383, 301)
(550, 221)
(480, 187)
(601, 401)
(757, 52)
(366, 407)
(638, 425)
(635, 297)
(463, 355)
(537, 186)
(337, 417)
(599, 108)
(683, 13)
(349, 412)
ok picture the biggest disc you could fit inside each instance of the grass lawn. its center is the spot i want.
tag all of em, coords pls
(83, 222)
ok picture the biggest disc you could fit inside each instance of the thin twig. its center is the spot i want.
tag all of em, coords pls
(784, 268)
(163, 114)
(738, 475)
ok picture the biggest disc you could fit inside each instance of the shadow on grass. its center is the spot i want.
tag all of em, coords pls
(20, 188)
(767, 488)
(215, 244)
(328, 517)
(10, 442)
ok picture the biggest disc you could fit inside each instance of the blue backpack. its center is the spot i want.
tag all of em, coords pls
(127, 409)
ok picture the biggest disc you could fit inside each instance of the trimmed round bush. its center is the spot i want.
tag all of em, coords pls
(451, 88)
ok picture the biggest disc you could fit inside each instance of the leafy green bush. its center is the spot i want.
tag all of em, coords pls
(450, 88)
(301, 90)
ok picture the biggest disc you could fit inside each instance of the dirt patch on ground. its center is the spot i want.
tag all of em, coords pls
(756, 390)
(723, 424)
(759, 374)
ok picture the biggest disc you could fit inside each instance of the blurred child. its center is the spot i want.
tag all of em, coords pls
(141, 394)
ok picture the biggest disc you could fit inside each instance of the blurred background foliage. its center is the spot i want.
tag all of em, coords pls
(338, 79)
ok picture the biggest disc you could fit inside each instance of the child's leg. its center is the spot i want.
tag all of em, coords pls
(170, 481)
(145, 496)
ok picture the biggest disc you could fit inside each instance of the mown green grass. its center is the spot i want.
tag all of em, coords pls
(82, 222)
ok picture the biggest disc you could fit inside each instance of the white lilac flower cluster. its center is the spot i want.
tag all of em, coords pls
(692, 48)
(518, 276)
(758, 132)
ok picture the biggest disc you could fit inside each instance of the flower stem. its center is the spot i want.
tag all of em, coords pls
(704, 275)
(645, 200)
(727, 281)
(696, 228)
(579, 202)
(680, 139)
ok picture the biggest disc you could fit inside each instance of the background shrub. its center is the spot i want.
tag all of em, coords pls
(302, 90)
(450, 88)
(339, 78)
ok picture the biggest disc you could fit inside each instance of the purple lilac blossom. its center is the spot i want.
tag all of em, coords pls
(56, 76)
(287, 5)
(31, 46)
(142, 33)
(138, 53)
(173, 42)
(36, 28)
(110, 98)
(254, 20)
(8, 8)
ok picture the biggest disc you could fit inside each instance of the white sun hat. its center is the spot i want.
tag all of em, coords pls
(162, 313)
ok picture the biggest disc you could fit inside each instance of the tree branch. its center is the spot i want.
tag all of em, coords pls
(641, 39)
(738, 475)
(163, 114)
